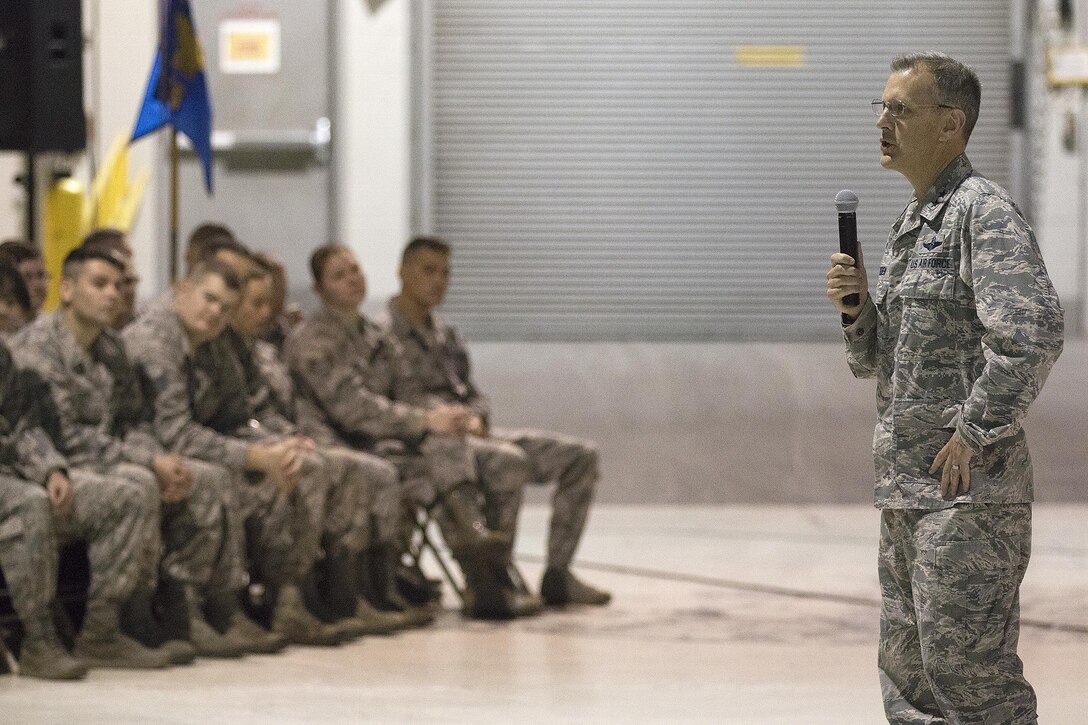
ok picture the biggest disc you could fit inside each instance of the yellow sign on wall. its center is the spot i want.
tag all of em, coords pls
(249, 46)
(770, 56)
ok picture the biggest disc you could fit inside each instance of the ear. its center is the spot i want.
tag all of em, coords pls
(67, 290)
(954, 124)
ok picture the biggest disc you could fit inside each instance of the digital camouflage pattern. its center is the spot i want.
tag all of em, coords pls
(200, 410)
(439, 370)
(572, 464)
(103, 419)
(117, 514)
(278, 389)
(356, 486)
(26, 450)
(950, 615)
(28, 549)
(110, 513)
(197, 393)
(960, 333)
(353, 373)
(436, 362)
(353, 377)
(100, 411)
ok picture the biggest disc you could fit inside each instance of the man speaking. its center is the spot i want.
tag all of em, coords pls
(960, 332)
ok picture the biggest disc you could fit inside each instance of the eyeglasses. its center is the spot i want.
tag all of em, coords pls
(897, 108)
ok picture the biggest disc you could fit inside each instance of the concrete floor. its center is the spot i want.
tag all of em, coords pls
(740, 614)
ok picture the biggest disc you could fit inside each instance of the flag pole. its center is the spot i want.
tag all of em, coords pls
(173, 204)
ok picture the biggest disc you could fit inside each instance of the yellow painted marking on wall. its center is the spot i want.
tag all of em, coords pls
(771, 56)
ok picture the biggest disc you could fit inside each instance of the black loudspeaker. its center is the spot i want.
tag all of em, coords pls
(41, 76)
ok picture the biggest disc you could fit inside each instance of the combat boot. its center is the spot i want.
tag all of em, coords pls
(346, 591)
(378, 622)
(137, 620)
(464, 527)
(378, 567)
(251, 637)
(44, 657)
(102, 645)
(204, 637)
(337, 614)
(560, 587)
(485, 596)
(291, 619)
(524, 602)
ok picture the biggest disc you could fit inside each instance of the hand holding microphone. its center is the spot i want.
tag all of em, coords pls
(847, 283)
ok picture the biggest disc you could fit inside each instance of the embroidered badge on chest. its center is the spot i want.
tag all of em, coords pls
(932, 244)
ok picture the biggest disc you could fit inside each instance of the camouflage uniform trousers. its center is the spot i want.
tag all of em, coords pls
(443, 463)
(572, 463)
(200, 541)
(119, 521)
(439, 464)
(357, 503)
(28, 547)
(272, 528)
(950, 615)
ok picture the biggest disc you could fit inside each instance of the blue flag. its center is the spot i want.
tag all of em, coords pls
(177, 91)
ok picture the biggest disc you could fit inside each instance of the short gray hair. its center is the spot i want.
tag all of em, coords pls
(957, 85)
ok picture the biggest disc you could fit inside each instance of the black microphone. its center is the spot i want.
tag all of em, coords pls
(846, 202)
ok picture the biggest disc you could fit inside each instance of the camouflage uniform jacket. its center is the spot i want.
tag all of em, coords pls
(355, 377)
(200, 395)
(26, 451)
(102, 415)
(269, 408)
(437, 360)
(960, 333)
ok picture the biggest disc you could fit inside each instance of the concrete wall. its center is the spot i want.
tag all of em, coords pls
(742, 423)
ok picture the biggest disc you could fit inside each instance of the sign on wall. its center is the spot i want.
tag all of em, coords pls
(249, 46)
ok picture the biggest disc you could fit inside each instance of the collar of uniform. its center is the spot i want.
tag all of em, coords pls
(328, 314)
(402, 327)
(946, 182)
(72, 356)
(162, 316)
(358, 327)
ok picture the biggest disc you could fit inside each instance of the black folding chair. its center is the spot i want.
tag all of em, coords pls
(426, 540)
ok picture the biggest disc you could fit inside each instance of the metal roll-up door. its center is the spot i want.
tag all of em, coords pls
(648, 170)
